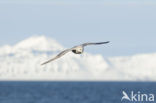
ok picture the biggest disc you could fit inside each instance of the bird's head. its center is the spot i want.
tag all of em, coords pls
(79, 49)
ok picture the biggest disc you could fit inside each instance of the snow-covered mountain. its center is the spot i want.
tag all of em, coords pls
(22, 62)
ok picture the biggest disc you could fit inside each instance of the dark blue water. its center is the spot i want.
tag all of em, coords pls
(71, 92)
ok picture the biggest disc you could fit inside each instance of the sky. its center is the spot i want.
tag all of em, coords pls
(129, 25)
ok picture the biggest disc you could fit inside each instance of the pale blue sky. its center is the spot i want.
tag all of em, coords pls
(130, 25)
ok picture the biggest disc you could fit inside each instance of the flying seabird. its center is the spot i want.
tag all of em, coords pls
(76, 49)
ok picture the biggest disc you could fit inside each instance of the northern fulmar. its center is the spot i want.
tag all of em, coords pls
(76, 49)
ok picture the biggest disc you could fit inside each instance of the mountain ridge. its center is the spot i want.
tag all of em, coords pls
(20, 62)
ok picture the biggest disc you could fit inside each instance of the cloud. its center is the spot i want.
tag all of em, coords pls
(22, 62)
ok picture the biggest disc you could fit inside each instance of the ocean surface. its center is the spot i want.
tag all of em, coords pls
(72, 92)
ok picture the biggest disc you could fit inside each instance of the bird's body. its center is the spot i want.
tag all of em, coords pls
(76, 49)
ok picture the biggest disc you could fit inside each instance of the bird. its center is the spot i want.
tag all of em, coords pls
(76, 49)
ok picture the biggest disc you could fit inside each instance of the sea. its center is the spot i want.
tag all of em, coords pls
(76, 92)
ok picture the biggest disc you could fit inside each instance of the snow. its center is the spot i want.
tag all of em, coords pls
(35, 43)
(22, 62)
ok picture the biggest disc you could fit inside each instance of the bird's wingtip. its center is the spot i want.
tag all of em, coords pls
(107, 42)
(42, 64)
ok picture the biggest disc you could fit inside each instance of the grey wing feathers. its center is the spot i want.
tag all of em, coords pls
(85, 44)
(58, 56)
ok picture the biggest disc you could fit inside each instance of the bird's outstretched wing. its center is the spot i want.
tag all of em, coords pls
(85, 44)
(58, 56)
